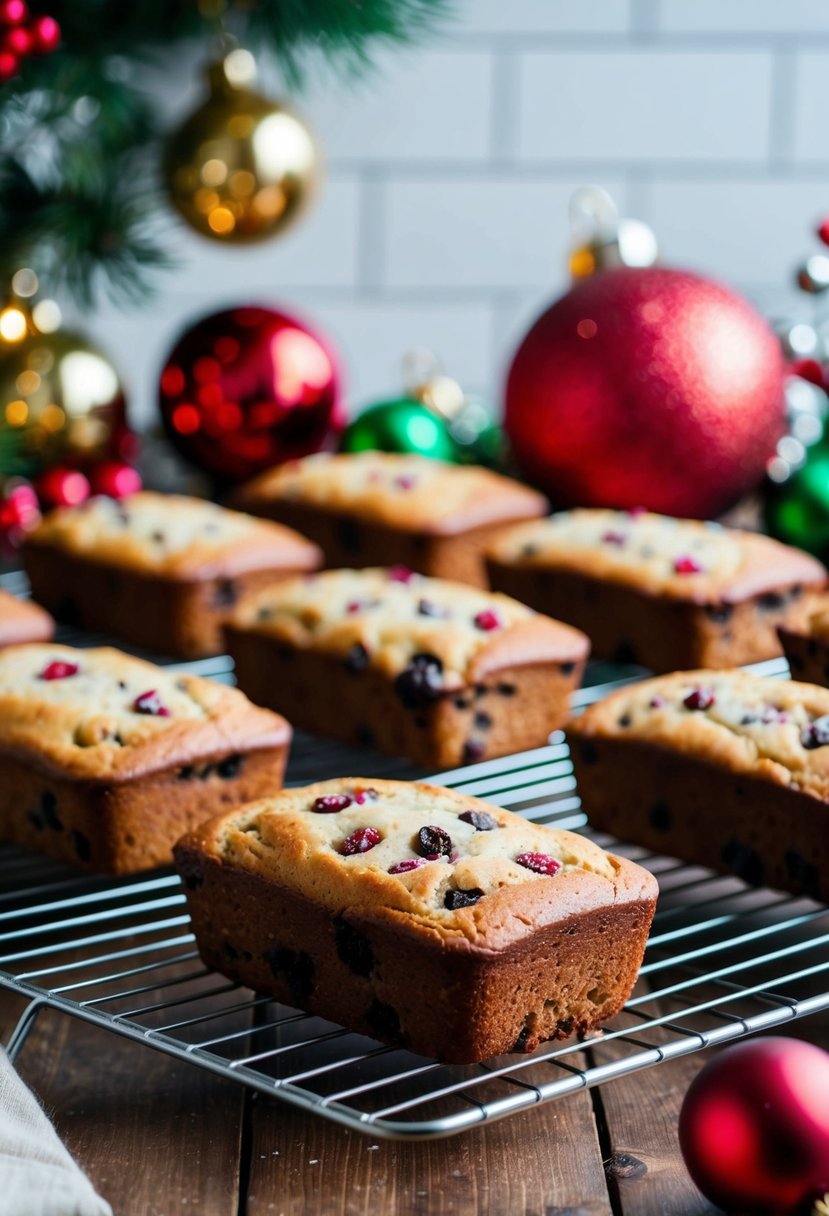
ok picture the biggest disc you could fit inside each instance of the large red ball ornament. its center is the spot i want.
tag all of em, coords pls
(754, 1126)
(647, 387)
(249, 388)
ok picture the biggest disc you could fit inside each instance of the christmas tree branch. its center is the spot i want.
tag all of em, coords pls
(78, 135)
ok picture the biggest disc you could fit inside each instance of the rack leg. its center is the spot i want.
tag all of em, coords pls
(21, 1031)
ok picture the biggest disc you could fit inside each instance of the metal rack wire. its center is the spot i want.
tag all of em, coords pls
(723, 960)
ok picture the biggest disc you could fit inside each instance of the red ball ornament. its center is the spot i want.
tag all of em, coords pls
(647, 387)
(823, 230)
(114, 479)
(19, 513)
(18, 41)
(62, 487)
(9, 65)
(45, 33)
(808, 369)
(249, 388)
(13, 12)
(754, 1126)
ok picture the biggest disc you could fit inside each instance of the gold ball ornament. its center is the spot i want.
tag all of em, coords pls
(242, 167)
(60, 398)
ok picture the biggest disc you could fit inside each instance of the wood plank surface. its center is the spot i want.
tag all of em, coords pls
(158, 1137)
(644, 1165)
(546, 1162)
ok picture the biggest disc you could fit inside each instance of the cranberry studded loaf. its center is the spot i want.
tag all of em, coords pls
(807, 647)
(158, 570)
(23, 621)
(378, 509)
(667, 593)
(438, 671)
(105, 759)
(418, 915)
(719, 768)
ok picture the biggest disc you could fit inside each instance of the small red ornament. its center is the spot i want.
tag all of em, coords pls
(19, 513)
(62, 487)
(823, 231)
(45, 33)
(18, 41)
(24, 37)
(754, 1126)
(249, 388)
(114, 479)
(808, 369)
(647, 387)
(13, 12)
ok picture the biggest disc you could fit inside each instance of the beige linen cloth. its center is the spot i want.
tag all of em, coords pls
(37, 1175)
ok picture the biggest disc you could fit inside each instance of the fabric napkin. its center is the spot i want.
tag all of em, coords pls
(37, 1175)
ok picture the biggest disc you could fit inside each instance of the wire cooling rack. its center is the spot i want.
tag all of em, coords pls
(723, 960)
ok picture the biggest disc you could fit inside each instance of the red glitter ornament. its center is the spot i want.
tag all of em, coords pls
(249, 388)
(673, 399)
(754, 1126)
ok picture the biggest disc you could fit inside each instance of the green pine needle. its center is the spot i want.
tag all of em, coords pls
(81, 143)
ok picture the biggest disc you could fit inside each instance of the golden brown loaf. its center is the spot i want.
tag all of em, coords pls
(105, 758)
(425, 667)
(23, 621)
(719, 767)
(667, 593)
(379, 508)
(172, 536)
(374, 880)
(159, 570)
(806, 645)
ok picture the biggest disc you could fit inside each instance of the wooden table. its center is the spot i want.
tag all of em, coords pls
(160, 1137)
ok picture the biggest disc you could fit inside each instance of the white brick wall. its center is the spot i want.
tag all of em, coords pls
(443, 218)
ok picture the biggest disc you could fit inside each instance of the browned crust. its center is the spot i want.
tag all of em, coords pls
(380, 973)
(173, 616)
(766, 565)
(231, 724)
(635, 625)
(130, 826)
(23, 621)
(265, 546)
(523, 703)
(487, 499)
(704, 812)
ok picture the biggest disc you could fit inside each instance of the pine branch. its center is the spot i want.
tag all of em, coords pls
(79, 139)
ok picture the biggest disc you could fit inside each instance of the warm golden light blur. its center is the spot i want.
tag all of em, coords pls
(13, 324)
(16, 413)
(221, 220)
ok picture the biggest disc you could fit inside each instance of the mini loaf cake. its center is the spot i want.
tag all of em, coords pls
(807, 647)
(378, 509)
(23, 621)
(158, 570)
(415, 666)
(418, 915)
(715, 767)
(105, 759)
(667, 593)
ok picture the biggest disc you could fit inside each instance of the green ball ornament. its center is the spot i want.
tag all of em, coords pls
(797, 510)
(400, 425)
